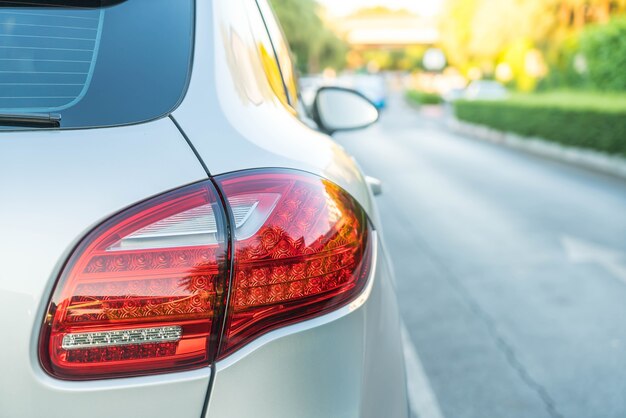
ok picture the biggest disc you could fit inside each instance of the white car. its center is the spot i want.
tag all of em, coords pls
(174, 241)
(372, 86)
(485, 90)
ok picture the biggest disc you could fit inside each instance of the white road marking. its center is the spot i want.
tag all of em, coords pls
(422, 399)
(580, 251)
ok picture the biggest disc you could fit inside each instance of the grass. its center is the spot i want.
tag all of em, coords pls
(568, 99)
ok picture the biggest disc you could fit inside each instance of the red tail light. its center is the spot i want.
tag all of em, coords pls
(308, 257)
(142, 292)
(147, 291)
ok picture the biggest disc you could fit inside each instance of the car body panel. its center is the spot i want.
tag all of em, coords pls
(485, 90)
(55, 187)
(347, 363)
(231, 110)
(344, 364)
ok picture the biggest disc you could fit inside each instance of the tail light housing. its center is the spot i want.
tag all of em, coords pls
(142, 292)
(181, 280)
(309, 256)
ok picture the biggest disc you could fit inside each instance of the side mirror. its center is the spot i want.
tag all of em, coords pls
(340, 109)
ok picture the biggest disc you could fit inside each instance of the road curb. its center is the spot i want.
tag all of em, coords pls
(589, 159)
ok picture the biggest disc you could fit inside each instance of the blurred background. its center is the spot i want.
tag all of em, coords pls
(502, 153)
(441, 46)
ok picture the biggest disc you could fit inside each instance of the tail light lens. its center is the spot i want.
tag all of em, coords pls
(309, 256)
(142, 292)
(154, 289)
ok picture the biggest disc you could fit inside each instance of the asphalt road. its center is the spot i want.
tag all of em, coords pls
(511, 270)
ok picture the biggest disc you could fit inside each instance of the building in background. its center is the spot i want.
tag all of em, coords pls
(383, 28)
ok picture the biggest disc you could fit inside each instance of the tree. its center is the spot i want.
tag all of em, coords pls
(456, 31)
(314, 45)
(604, 49)
(485, 33)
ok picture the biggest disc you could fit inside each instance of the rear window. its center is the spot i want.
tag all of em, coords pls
(113, 63)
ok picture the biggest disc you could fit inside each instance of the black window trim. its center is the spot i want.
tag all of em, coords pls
(273, 43)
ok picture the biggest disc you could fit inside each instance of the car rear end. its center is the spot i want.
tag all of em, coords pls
(220, 260)
(112, 77)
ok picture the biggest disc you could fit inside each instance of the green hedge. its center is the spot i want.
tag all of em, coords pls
(423, 98)
(599, 126)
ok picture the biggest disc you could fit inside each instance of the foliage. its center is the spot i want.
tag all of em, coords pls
(589, 120)
(412, 58)
(604, 48)
(515, 55)
(562, 58)
(423, 98)
(456, 31)
(477, 32)
(314, 45)
(572, 99)
(480, 34)
(405, 59)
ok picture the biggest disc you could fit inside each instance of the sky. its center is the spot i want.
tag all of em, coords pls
(343, 7)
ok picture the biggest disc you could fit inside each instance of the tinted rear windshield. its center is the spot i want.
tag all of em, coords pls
(121, 63)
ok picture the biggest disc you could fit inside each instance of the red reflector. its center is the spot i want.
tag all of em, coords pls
(310, 256)
(141, 292)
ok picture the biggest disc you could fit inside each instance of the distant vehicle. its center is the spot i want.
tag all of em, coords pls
(454, 94)
(485, 90)
(309, 85)
(372, 86)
